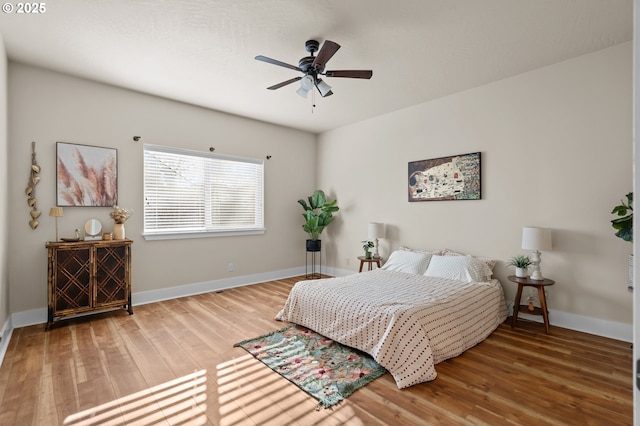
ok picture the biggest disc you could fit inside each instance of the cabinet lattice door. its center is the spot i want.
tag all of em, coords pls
(88, 276)
(72, 279)
(111, 265)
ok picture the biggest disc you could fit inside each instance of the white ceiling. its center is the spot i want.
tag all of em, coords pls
(202, 51)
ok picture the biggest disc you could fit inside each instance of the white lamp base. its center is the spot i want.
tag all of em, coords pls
(536, 275)
(376, 254)
(535, 266)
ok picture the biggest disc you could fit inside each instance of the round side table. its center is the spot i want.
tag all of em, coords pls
(369, 262)
(542, 310)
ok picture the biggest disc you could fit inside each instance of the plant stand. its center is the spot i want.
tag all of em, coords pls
(313, 251)
(316, 260)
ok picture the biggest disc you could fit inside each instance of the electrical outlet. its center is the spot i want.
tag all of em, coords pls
(230, 267)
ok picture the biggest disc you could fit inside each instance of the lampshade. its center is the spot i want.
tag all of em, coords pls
(306, 84)
(302, 92)
(56, 212)
(536, 238)
(376, 230)
(324, 88)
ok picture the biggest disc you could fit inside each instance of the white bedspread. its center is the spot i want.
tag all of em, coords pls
(407, 323)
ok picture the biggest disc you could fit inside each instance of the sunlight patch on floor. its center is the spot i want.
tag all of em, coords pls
(176, 401)
(248, 389)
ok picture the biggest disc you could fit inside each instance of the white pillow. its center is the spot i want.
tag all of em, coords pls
(463, 268)
(407, 261)
(432, 252)
(491, 263)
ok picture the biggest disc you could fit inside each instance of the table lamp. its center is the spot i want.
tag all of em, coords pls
(56, 212)
(536, 239)
(376, 230)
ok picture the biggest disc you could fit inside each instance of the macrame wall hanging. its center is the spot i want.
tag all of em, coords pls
(34, 178)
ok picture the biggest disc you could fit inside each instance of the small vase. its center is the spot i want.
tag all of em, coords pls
(367, 255)
(521, 272)
(118, 231)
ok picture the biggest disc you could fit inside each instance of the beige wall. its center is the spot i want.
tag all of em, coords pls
(556, 146)
(47, 107)
(556, 149)
(4, 187)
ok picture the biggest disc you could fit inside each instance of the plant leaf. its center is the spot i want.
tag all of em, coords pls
(318, 199)
(619, 210)
(304, 205)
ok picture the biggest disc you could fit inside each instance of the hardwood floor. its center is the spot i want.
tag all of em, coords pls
(173, 362)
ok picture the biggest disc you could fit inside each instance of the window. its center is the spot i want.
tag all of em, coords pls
(194, 194)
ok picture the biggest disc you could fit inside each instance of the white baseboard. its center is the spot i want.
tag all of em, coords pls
(209, 286)
(39, 316)
(5, 337)
(611, 329)
(30, 317)
(339, 272)
(599, 327)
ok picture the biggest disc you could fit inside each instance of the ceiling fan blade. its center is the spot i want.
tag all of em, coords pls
(284, 83)
(328, 49)
(276, 62)
(350, 73)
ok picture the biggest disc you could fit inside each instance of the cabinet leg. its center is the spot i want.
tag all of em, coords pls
(49, 319)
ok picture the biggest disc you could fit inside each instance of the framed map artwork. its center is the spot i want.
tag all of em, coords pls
(448, 178)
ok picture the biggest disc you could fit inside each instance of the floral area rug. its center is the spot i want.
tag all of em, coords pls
(326, 370)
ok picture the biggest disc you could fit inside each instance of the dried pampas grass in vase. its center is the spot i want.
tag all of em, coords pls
(119, 216)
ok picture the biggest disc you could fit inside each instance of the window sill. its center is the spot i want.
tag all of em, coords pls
(204, 234)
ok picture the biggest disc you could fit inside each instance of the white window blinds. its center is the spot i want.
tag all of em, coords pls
(191, 192)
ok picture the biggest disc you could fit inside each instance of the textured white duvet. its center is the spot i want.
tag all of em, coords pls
(407, 323)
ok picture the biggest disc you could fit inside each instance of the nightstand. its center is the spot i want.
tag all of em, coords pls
(542, 310)
(369, 262)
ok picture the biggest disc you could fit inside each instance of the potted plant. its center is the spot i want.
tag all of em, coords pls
(318, 214)
(623, 225)
(521, 263)
(367, 246)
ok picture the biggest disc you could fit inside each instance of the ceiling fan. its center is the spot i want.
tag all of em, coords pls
(313, 67)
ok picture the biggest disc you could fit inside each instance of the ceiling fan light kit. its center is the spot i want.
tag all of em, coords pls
(313, 66)
(306, 84)
(324, 88)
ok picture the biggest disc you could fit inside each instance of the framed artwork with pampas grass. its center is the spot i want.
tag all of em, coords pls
(86, 175)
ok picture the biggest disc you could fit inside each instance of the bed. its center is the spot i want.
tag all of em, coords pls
(418, 310)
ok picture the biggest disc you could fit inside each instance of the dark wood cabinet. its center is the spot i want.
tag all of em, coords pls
(88, 276)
